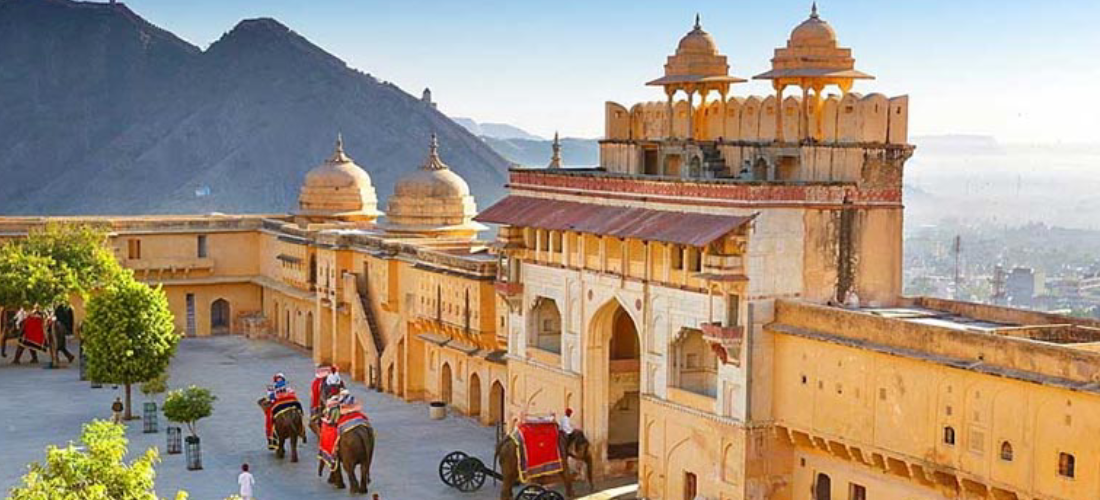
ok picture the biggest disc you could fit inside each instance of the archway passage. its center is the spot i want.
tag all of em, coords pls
(309, 330)
(219, 317)
(623, 386)
(445, 384)
(474, 405)
(823, 487)
(496, 403)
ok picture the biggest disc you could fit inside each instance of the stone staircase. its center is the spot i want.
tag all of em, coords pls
(372, 322)
(714, 165)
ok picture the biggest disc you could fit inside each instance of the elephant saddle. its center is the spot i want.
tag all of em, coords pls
(330, 435)
(284, 402)
(34, 333)
(537, 450)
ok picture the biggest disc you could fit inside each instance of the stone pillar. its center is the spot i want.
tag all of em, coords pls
(671, 116)
(779, 111)
(691, 115)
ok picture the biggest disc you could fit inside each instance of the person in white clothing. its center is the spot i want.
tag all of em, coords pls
(566, 424)
(246, 482)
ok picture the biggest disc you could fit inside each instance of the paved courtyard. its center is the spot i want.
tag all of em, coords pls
(49, 406)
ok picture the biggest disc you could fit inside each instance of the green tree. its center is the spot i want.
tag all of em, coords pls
(94, 471)
(129, 335)
(155, 385)
(189, 405)
(80, 248)
(27, 279)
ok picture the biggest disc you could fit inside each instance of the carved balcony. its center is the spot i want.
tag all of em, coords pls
(725, 340)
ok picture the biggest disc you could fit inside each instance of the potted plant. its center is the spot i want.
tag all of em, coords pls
(188, 406)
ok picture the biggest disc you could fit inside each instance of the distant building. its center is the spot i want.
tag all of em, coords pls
(426, 97)
(1020, 286)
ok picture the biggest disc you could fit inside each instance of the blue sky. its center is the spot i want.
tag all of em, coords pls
(1022, 71)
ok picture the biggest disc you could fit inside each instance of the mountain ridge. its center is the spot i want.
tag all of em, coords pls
(170, 128)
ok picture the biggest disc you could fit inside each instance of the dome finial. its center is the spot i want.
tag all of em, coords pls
(434, 162)
(338, 155)
(813, 10)
(555, 158)
(698, 23)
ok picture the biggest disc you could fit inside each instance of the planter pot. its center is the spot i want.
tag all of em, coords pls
(194, 453)
(149, 418)
(175, 445)
(437, 410)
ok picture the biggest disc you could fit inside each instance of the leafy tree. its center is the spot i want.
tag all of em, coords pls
(189, 405)
(129, 335)
(80, 248)
(27, 278)
(94, 471)
(155, 385)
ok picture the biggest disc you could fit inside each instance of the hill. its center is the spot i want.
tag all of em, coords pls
(106, 113)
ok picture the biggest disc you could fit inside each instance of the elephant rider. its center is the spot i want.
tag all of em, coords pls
(315, 393)
(278, 389)
(566, 432)
(341, 404)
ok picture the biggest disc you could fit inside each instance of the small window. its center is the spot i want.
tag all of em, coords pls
(803, 380)
(857, 492)
(695, 260)
(1006, 451)
(202, 246)
(1067, 465)
(949, 435)
(677, 256)
(691, 486)
(134, 249)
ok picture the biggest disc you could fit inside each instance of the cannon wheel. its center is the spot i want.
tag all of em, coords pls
(469, 474)
(530, 492)
(447, 468)
(550, 495)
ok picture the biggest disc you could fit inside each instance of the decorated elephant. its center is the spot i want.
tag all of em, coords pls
(286, 423)
(354, 447)
(575, 446)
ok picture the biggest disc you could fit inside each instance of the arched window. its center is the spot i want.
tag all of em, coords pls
(949, 435)
(1006, 451)
(547, 325)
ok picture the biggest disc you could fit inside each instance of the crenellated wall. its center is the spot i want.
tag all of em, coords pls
(851, 119)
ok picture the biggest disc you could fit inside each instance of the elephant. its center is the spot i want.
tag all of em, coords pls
(576, 447)
(356, 447)
(287, 425)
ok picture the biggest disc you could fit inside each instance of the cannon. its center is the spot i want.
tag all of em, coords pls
(466, 473)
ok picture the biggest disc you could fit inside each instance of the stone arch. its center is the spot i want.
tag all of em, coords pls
(445, 381)
(614, 352)
(545, 327)
(220, 317)
(473, 406)
(496, 403)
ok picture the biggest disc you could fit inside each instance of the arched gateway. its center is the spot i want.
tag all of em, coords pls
(613, 365)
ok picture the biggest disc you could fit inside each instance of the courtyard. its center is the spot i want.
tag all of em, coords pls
(43, 407)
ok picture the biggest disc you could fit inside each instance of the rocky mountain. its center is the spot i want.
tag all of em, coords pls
(106, 113)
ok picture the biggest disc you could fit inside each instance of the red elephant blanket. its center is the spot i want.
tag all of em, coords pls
(283, 402)
(330, 435)
(34, 333)
(537, 450)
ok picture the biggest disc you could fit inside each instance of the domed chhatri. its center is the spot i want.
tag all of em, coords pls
(812, 53)
(338, 189)
(432, 201)
(696, 61)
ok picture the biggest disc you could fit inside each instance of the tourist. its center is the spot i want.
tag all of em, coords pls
(246, 482)
(116, 410)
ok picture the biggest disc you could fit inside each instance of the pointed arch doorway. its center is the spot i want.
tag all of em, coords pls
(614, 358)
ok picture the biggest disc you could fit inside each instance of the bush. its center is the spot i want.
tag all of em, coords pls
(189, 405)
(94, 471)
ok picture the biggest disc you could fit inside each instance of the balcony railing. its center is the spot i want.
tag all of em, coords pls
(725, 340)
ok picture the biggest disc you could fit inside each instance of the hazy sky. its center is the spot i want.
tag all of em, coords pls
(1023, 71)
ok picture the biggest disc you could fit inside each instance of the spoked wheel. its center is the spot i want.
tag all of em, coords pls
(469, 474)
(550, 495)
(447, 467)
(530, 492)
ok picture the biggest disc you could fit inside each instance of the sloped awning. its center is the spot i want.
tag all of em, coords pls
(681, 228)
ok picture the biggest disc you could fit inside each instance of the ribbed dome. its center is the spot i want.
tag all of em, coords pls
(697, 42)
(432, 200)
(813, 32)
(338, 189)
